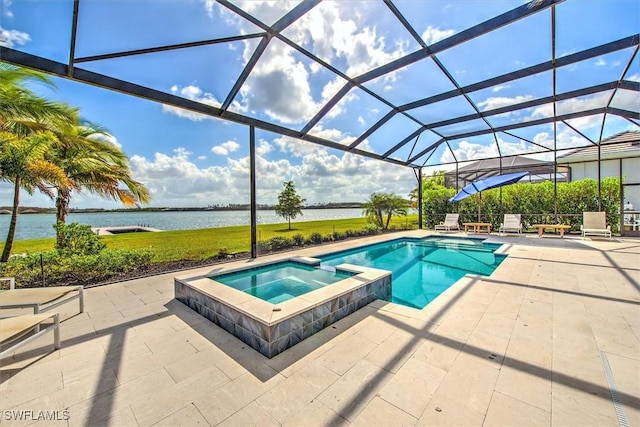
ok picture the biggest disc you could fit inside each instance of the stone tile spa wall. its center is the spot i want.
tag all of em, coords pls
(277, 337)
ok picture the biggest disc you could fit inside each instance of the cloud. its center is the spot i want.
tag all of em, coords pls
(566, 138)
(173, 180)
(193, 93)
(498, 88)
(433, 34)
(470, 150)
(6, 8)
(319, 174)
(279, 84)
(498, 102)
(600, 62)
(11, 38)
(334, 30)
(573, 105)
(263, 148)
(225, 148)
(108, 138)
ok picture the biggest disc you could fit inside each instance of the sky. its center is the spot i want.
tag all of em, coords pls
(188, 159)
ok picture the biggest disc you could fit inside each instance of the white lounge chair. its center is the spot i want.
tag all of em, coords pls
(511, 224)
(21, 330)
(40, 299)
(450, 223)
(595, 224)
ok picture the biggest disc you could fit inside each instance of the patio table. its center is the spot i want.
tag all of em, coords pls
(477, 226)
(561, 227)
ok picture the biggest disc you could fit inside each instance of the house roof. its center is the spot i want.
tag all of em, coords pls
(619, 146)
(538, 170)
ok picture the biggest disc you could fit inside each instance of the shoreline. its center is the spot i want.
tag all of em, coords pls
(40, 226)
(6, 210)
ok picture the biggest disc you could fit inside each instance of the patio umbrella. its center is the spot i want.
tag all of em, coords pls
(486, 184)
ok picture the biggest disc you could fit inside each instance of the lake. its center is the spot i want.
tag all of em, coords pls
(38, 226)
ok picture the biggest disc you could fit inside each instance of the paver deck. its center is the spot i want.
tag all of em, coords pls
(529, 345)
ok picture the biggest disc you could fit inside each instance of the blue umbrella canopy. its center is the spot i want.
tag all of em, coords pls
(488, 183)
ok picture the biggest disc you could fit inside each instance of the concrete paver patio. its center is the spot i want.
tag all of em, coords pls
(542, 341)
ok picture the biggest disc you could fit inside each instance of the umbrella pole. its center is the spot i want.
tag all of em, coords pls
(480, 207)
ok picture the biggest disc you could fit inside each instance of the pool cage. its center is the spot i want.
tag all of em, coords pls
(423, 122)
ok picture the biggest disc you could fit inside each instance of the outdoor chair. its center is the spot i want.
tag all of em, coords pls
(511, 224)
(595, 224)
(21, 330)
(450, 223)
(40, 299)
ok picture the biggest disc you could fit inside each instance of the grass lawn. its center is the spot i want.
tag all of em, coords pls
(206, 243)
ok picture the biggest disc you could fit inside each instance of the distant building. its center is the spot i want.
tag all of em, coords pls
(538, 171)
(619, 157)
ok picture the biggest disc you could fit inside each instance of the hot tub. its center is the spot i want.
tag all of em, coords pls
(271, 327)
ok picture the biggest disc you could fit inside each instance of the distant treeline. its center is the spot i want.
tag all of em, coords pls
(230, 207)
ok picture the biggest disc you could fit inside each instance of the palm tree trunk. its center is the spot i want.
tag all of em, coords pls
(386, 226)
(62, 207)
(12, 225)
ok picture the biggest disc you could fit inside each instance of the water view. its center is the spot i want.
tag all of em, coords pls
(39, 226)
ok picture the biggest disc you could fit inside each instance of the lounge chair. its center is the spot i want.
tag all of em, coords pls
(41, 299)
(21, 330)
(511, 224)
(450, 223)
(595, 224)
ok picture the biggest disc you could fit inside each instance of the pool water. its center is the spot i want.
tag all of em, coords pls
(282, 281)
(423, 268)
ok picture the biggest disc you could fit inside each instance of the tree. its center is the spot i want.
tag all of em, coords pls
(290, 204)
(92, 163)
(24, 140)
(382, 206)
(22, 162)
(434, 181)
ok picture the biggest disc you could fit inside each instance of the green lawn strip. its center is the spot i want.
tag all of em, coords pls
(178, 245)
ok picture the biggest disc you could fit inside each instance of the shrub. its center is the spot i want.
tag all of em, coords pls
(77, 239)
(263, 246)
(327, 238)
(223, 253)
(370, 229)
(315, 238)
(73, 269)
(298, 239)
(350, 233)
(339, 236)
(279, 243)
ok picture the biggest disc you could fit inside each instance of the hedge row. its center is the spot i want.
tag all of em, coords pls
(281, 243)
(535, 202)
(53, 267)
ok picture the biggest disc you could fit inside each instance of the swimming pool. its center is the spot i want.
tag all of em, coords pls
(282, 281)
(296, 301)
(423, 268)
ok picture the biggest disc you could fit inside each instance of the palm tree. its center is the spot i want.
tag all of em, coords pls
(19, 105)
(22, 162)
(94, 164)
(381, 205)
(24, 140)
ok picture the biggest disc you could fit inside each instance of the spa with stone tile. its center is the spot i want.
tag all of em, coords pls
(272, 328)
